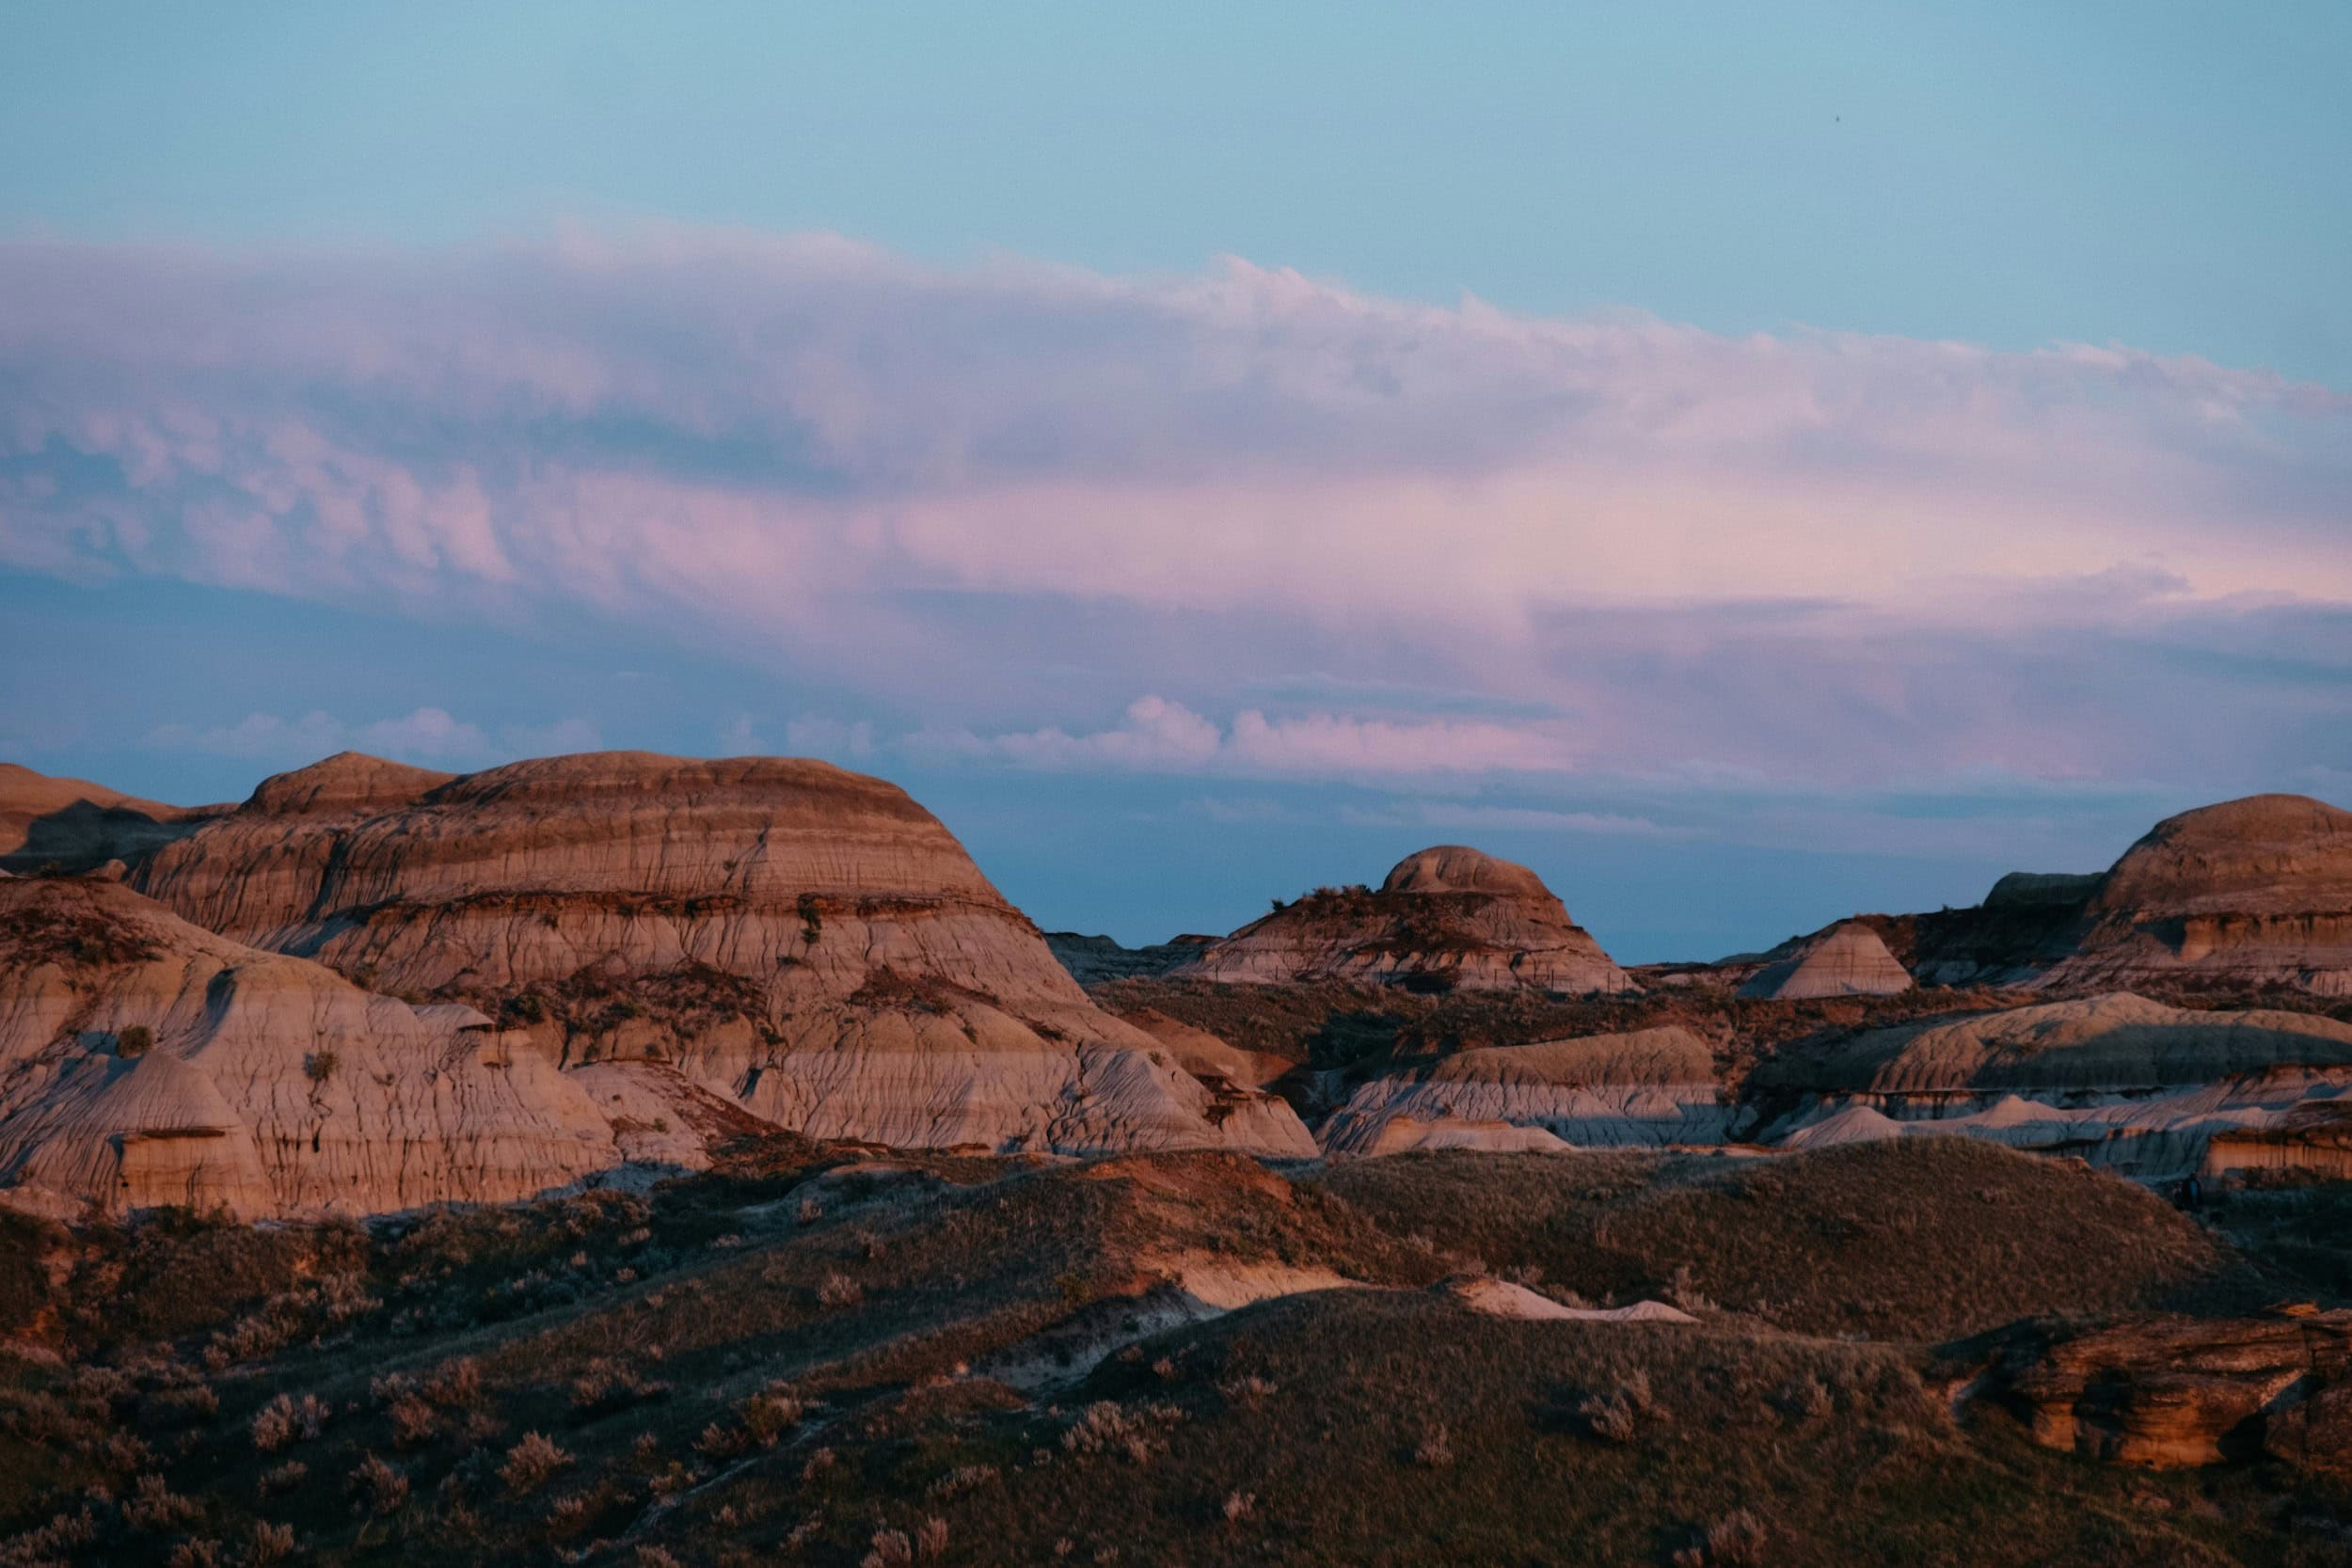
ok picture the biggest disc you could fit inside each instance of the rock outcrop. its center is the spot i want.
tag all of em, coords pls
(1093, 960)
(2250, 893)
(2171, 1392)
(1446, 918)
(1648, 1088)
(144, 1062)
(807, 942)
(73, 825)
(2123, 1081)
(1847, 959)
(2244, 895)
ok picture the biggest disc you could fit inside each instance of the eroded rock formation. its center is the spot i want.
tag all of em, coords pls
(2251, 891)
(73, 825)
(2170, 1392)
(1445, 918)
(1847, 959)
(145, 1062)
(806, 940)
(1647, 1088)
(2122, 1081)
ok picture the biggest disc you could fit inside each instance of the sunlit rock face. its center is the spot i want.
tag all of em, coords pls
(145, 1062)
(2252, 891)
(1445, 918)
(806, 941)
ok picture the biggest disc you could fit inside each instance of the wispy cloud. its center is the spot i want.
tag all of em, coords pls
(1160, 736)
(1524, 546)
(428, 734)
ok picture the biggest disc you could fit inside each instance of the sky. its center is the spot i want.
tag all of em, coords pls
(1750, 464)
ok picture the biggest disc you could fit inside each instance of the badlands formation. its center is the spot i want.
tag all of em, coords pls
(746, 1181)
(549, 973)
(613, 942)
(1445, 918)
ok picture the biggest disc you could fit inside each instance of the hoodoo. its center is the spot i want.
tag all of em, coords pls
(1445, 918)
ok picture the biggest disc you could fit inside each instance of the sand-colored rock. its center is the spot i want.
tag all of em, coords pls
(2125, 1082)
(1500, 1298)
(1445, 918)
(2116, 1043)
(1404, 1133)
(1206, 1056)
(1847, 959)
(2251, 892)
(269, 1086)
(2173, 1392)
(73, 825)
(1646, 1088)
(806, 940)
(2314, 1137)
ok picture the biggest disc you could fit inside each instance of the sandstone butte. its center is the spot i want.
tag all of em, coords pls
(795, 941)
(1445, 918)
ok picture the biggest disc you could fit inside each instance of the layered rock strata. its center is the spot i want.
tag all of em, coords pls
(807, 942)
(1652, 1087)
(2123, 1081)
(144, 1062)
(1445, 918)
(1847, 959)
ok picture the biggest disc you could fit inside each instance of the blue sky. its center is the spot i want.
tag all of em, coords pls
(1749, 463)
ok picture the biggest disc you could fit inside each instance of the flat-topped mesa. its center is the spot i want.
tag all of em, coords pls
(806, 940)
(144, 1062)
(1847, 959)
(1445, 918)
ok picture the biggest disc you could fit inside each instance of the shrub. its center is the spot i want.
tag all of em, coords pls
(320, 1065)
(271, 1544)
(1737, 1542)
(1239, 1505)
(1106, 1427)
(138, 1040)
(530, 1463)
(152, 1506)
(195, 1552)
(413, 1422)
(282, 1421)
(378, 1488)
(1611, 1419)
(839, 1290)
(931, 1540)
(892, 1549)
(1435, 1451)
(284, 1477)
(454, 1383)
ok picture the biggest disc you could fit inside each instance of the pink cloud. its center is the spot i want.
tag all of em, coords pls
(1041, 490)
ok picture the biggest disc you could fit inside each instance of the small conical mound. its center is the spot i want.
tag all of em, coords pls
(1847, 959)
(1446, 917)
